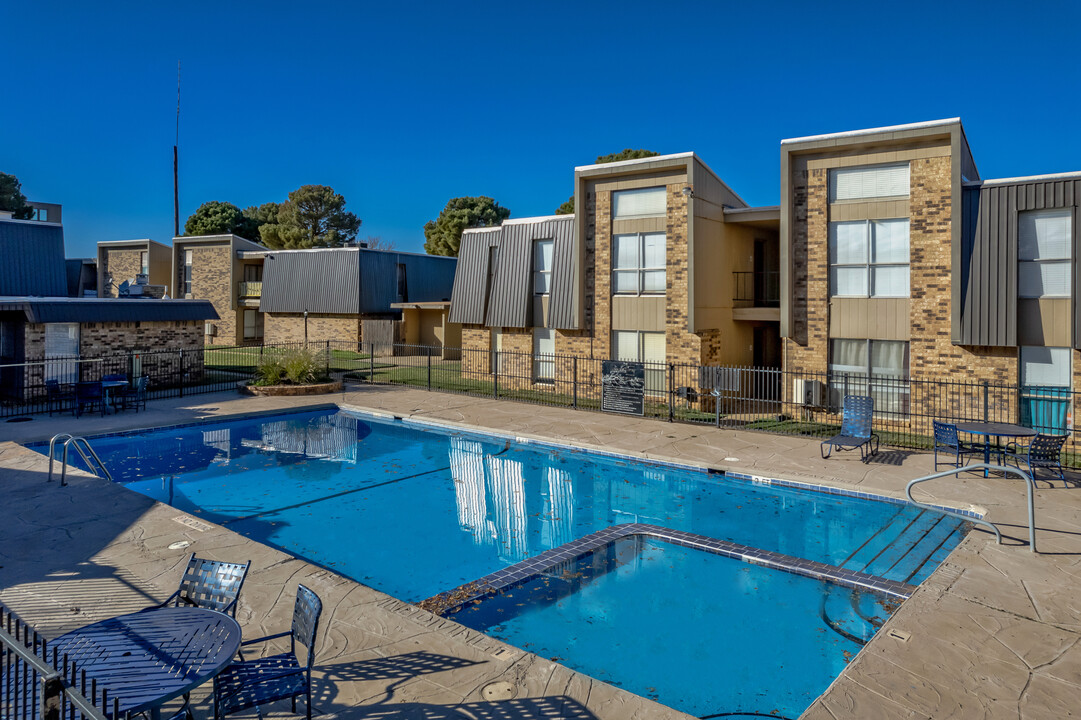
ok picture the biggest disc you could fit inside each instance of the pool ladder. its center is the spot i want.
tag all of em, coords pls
(82, 446)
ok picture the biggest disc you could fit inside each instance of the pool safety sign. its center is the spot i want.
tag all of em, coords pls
(623, 387)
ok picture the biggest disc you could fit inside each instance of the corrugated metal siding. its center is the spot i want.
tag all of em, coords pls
(509, 302)
(113, 310)
(32, 260)
(989, 256)
(468, 302)
(325, 281)
(429, 278)
(561, 312)
(378, 281)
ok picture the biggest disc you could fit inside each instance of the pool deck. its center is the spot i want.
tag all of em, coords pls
(992, 634)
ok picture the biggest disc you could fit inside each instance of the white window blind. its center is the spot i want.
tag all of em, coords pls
(544, 348)
(1043, 249)
(644, 202)
(542, 267)
(861, 183)
(1045, 367)
(638, 264)
(869, 258)
(61, 342)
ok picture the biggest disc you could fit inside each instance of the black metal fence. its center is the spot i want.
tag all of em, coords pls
(750, 398)
(38, 683)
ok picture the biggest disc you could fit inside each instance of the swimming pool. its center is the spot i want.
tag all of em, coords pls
(418, 511)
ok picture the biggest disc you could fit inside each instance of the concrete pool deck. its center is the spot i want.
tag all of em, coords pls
(992, 634)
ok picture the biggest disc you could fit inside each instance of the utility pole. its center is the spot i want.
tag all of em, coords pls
(176, 174)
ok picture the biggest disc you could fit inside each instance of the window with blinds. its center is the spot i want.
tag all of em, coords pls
(643, 202)
(1043, 250)
(865, 183)
(869, 258)
(542, 267)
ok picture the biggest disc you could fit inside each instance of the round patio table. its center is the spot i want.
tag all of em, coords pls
(995, 430)
(148, 658)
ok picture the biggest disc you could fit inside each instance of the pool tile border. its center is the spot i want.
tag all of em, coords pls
(449, 602)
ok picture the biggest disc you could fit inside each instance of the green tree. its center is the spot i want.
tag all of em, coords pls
(214, 218)
(567, 208)
(12, 198)
(255, 217)
(313, 216)
(443, 235)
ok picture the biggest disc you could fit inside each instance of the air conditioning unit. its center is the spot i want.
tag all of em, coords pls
(808, 392)
(210, 329)
(142, 279)
(719, 378)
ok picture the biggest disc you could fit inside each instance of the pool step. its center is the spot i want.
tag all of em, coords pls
(909, 547)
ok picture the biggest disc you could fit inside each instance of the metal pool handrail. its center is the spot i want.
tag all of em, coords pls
(82, 446)
(1030, 485)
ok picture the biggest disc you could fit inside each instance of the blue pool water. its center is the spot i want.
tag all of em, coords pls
(685, 627)
(417, 512)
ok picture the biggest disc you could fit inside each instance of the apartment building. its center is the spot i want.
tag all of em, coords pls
(899, 261)
(218, 268)
(663, 263)
(124, 261)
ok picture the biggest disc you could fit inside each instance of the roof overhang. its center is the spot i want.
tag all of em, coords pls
(85, 310)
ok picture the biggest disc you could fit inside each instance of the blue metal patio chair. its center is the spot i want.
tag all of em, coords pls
(948, 442)
(855, 429)
(59, 398)
(1044, 451)
(209, 584)
(258, 681)
(133, 397)
(89, 394)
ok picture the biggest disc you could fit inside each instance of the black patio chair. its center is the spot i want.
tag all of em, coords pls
(134, 396)
(1044, 451)
(210, 584)
(89, 394)
(258, 681)
(948, 442)
(855, 429)
(59, 397)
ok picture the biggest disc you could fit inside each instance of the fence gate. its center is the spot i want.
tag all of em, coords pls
(382, 333)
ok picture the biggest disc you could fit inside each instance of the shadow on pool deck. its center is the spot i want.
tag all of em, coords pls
(995, 632)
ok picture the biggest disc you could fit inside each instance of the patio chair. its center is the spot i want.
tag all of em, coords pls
(855, 429)
(209, 584)
(1044, 451)
(89, 394)
(258, 681)
(133, 397)
(115, 377)
(947, 442)
(59, 398)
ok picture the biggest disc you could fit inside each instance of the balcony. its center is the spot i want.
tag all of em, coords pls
(756, 295)
(249, 290)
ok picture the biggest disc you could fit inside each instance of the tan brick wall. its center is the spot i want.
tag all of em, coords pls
(681, 345)
(123, 264)
(289, 328)
(123, 338)
(211, 279)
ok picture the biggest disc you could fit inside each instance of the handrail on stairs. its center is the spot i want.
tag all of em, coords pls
(1030, 486)
(82, 446)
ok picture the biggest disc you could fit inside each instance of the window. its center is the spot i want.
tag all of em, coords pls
(253, 324)
(253, 273)
(542, 267)
(638, 264)
(878, 368)
(1043, 250)
(62, 352)
(644, 347)
(187, 271)
(544, 350)
(144, 263)
(864, 183)
(869, 258)
(1045, 389)
(403, 285)
(646, 202)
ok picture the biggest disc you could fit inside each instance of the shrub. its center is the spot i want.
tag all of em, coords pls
(292, 367)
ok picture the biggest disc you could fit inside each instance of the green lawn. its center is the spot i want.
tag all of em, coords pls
(246, 359)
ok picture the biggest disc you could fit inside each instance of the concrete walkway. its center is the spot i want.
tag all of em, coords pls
(992, 634)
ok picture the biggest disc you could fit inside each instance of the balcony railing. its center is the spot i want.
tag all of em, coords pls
(250, 289)
(757, 289)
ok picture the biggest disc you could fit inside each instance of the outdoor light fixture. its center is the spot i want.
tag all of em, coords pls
(688, 191)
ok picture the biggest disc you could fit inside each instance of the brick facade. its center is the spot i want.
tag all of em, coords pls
(122, 265)
(289, 327)
(211, 279)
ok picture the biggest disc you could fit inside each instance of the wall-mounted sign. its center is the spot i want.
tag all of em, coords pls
(623, 387)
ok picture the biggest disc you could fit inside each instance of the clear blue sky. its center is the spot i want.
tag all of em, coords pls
(402, 105)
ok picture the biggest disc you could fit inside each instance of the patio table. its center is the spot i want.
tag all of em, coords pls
(148, 658)
(995, 430)
(107, 386)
